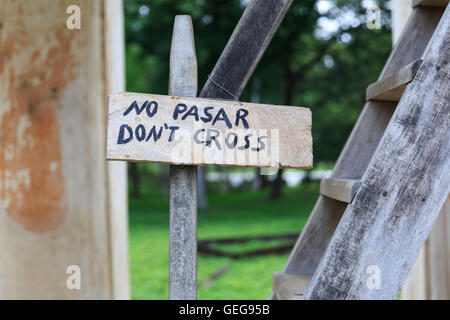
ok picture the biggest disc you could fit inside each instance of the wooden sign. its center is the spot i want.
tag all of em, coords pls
(195, 131)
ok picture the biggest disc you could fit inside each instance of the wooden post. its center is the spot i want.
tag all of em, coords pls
(55, 210)
(234, 76)
(248, 41)
(183, 179)
(430, 276)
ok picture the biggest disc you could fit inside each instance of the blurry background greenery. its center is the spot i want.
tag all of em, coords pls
(322, 57)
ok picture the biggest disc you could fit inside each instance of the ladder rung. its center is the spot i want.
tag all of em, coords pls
(340, 189)
(289, 286)
(392, 87)
(429, 3)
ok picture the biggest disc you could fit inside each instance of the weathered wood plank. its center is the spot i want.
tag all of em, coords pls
(208, 132)
(339, 189)
(183, 179)
(54, 202)
(248, 41)
(392, 87)
(429, 3)
(289, 286)
(402, 190)
(245, 47)
(360, 146)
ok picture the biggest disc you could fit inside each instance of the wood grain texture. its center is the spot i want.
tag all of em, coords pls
(53, 206)
(340, 189)
(289, 286)
(183, 179)
(392, 87)
(360, 146)
(429, 3)
(245, 47)
(233, 134)
(402, 190)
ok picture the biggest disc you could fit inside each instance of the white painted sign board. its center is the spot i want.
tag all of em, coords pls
(196, 131)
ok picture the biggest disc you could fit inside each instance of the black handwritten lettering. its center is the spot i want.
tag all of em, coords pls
(262, 145)
(212, 135)
(196, 138)
(153, 133)
(240, 115)
(247, 142)
(233, 144)
(193, 111)
(120, 139)
(172, 132)
(180, 108)
(135, 106)
(207, 114)
(140, 132)
(222, 116)
(151, 112)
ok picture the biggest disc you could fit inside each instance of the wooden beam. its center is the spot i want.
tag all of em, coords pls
(392, 87)
(402, 191)
(183, 179)
(245, 48)
(289, 286)
(429, 3)
(340, 189)
(248, 41)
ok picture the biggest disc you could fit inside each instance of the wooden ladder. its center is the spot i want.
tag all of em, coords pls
(391, 179)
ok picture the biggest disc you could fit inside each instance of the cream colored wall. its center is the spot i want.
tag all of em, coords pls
(401, 9)
(61, 204)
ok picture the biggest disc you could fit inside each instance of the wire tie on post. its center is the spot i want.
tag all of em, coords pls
(234, 97)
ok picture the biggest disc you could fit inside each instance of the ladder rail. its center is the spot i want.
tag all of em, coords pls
(400, 196)
(359, 148)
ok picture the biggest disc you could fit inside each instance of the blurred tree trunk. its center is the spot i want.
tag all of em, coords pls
(257, 180)
(202, 199)
(135, 180)
(277, 186)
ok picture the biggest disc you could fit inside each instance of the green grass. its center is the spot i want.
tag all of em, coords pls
(234, 214)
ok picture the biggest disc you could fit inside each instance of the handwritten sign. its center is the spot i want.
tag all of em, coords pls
(195, 131)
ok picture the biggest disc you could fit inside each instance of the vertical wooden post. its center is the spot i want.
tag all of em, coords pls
(54, 181)
(183, 179)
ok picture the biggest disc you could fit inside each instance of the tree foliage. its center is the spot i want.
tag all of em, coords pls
(322, 57)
